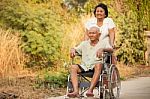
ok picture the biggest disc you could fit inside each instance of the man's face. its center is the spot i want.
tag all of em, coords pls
(93, 34)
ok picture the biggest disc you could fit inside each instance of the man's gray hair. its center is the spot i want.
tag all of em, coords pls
(96, 27)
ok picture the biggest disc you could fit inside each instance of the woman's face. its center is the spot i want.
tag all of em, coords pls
(100, 13)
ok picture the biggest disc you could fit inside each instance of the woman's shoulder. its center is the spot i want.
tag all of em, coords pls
(108, 20)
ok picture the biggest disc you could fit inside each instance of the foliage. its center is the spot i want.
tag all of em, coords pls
(81, 6)
(40, 28)
(131, 36)
(130, 43)
(75, 5)
(52, 80)
(89, 6)
(141, 9)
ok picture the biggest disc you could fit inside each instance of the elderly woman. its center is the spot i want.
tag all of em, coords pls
(105, 24)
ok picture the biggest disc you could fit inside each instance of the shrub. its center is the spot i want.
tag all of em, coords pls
(52, 80)
(40, 29)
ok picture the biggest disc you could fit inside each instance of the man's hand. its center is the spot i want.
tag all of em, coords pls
(72, 53)
(99, 52)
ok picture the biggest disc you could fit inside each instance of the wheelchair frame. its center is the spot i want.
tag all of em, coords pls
(109, 83)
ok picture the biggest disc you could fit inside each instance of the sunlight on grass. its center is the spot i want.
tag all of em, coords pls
(11, 56)
(128, 72)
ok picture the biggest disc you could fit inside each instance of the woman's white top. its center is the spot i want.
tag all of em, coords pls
(104, 30)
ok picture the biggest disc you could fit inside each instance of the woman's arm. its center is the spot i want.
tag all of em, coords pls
(111, 29)
(112, 36)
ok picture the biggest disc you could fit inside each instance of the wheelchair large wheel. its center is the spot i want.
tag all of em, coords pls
(115, 83)
(103, 87)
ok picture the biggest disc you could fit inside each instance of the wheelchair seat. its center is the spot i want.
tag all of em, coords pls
(87, 73)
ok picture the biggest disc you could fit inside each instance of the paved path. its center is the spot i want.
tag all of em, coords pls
(136, 88)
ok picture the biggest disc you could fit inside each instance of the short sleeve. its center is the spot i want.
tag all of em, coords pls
(111, 23)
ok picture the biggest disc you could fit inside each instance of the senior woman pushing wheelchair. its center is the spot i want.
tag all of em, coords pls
(98, 38)
(105, 25)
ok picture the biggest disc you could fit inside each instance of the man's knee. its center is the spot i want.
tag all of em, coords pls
(74, 68)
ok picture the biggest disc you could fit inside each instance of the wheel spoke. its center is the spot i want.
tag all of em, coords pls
(115, 83)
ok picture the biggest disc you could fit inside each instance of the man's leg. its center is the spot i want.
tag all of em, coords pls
(97, 71)
(74, 79)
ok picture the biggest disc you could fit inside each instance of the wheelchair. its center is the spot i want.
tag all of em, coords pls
(109, 84)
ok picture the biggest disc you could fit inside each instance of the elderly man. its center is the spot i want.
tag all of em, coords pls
(91, 51)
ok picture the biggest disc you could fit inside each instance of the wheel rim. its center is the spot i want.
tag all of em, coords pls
(115, 84)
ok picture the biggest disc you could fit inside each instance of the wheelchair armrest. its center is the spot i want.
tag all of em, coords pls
(77, 54)
(109, 50)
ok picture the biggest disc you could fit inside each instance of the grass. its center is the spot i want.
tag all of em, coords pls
(11, 56)
(127, 72)
(72, 36)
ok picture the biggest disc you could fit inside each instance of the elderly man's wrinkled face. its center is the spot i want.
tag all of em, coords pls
(93, 34)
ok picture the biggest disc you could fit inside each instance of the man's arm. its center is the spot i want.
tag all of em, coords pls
(72, 52)
(77, 50)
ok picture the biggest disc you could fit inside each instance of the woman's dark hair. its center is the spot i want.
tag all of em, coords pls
(103, 6)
